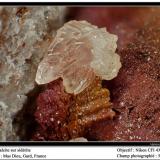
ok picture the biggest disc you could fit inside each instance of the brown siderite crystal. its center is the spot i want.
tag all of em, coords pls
(62, 116)
(87, 107)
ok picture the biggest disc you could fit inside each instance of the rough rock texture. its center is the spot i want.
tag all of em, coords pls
(51, 112)
(25, 34)
(136, 91)
(79, 53)
(62, 116)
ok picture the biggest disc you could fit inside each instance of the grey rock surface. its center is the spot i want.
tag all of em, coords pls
(25, 34)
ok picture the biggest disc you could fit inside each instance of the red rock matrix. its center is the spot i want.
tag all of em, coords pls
(136, 91)
(62, 116)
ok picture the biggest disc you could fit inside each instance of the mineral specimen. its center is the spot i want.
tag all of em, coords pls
(25, 34)
(79, 53)
(63, 116)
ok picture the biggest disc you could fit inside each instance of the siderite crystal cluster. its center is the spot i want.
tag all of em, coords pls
(89, 106)
(63, 116)
(25, 34)
(80, 52)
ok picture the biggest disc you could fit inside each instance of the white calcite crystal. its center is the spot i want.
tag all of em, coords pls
(25, 34)
(79, 52)
(79, 139)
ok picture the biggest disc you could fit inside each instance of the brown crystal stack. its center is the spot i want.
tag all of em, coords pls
(62, 116)
(87, 107)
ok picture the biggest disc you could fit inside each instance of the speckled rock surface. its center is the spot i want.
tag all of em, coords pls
(136, 91)
(25, 33)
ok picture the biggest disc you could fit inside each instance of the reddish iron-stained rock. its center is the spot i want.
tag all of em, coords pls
(61, 116)
(51, 112)
(136, 91)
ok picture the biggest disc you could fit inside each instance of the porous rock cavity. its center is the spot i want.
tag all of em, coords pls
(79, 52)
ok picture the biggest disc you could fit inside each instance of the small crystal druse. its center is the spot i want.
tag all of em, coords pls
(80, 52)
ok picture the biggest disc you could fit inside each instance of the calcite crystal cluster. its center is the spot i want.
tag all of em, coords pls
(25, 34)
(80, 52)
